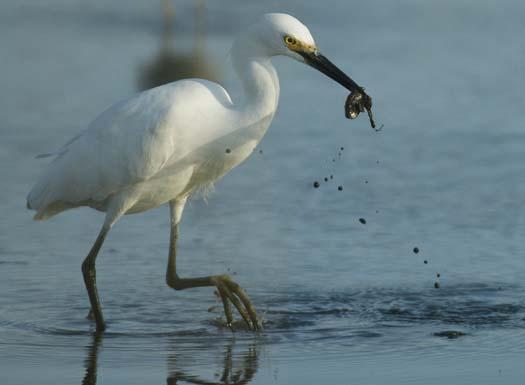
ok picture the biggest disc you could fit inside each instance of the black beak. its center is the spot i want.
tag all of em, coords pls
(357, 101)
(321, 63)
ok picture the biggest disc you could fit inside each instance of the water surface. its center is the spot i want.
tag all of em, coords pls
(342, 302)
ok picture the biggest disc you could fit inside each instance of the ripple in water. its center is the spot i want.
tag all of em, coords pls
(385, 315)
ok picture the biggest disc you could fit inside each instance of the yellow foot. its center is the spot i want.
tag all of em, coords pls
(230, 291)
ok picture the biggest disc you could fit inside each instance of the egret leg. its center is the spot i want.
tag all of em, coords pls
(229, 291)
(90, 279)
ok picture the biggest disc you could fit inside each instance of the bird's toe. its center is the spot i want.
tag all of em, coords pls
(231, 293)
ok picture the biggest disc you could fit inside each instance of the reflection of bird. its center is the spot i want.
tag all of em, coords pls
(168, 143)
(240, 373)
(91, 362)
(171, 64)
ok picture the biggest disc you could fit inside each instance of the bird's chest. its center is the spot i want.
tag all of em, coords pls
(221, 160)
(228, 151)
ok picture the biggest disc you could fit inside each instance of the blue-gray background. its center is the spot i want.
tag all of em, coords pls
(343, 302)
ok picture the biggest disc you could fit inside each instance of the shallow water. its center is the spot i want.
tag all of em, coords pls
(342, 302)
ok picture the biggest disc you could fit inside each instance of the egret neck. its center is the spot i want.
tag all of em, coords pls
(258, 78)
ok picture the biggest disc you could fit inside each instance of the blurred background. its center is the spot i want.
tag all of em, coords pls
(342, 301)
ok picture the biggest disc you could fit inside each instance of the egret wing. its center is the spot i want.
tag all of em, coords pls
(127, 144)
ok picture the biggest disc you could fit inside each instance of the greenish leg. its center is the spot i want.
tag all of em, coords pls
(90, 279)
(229, 290)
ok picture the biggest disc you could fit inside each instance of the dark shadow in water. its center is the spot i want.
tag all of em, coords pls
(169, 64)
(90, 377)
(238, 371)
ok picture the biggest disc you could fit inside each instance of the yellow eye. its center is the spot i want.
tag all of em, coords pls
(290, 40)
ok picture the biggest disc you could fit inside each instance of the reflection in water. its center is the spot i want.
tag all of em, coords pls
(236, 369)
(234, 372)
(90, 378)
(169, 65)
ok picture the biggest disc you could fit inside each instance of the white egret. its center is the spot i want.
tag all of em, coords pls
(166, 143)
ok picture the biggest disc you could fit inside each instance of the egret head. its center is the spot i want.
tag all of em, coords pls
(282, 34)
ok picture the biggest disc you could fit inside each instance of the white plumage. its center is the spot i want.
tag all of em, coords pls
(144, 151)
(166, 143)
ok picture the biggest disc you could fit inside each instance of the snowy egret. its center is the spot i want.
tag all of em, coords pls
(167, 143)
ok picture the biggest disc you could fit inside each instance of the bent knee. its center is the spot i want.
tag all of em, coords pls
(174, 283)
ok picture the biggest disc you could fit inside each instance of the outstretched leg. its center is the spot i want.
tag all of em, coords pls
(229, 290)
(90, 279)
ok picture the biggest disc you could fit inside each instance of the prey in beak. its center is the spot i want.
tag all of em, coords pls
(358, 101)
